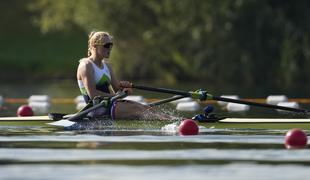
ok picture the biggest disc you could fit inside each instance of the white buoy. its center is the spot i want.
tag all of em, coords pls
(39, 107)
(79, 102)
(1, 100)
(222, 103)
(234, 107)
(80, 105)
(78, 99)
(39, 98)
(287, 104)
(39, 103)
(275, 99)
(186, 99)
(188, 106)
(135, 98)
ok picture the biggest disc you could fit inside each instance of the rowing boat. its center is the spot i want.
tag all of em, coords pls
(259, 123)
(25, 121)
(221, 123)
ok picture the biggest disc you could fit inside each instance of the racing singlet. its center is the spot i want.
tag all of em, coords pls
(102, 79)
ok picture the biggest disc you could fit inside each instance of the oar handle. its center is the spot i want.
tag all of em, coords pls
(163, 101)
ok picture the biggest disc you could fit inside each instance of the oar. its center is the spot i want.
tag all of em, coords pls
(163, 101)
(73, 119)
(203, 95)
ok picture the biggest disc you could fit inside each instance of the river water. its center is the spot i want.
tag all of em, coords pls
(36, 152)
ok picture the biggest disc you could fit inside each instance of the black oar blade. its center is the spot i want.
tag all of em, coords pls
(56, 116)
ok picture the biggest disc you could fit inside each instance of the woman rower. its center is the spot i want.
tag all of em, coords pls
(96, 78)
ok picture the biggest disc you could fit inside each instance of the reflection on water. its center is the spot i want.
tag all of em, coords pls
(146, 153)
(84, 155)
(234, 171)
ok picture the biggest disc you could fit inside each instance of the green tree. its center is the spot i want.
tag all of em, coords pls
(261, 43)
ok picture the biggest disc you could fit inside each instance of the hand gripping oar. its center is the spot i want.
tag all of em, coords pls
(73, 119)
(203, 95)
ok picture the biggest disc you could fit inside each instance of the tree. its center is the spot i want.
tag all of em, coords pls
(254, 42)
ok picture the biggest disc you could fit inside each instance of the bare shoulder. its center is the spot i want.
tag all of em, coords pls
(84, 63)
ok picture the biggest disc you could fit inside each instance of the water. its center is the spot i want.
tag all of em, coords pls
(97, 155)
(144, 152)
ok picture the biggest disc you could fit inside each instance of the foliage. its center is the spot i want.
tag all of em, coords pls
(261, 43)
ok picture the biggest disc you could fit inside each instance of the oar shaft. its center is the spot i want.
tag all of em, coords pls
(209, 96)
(163, 101)
(162, 90)
(259, 104)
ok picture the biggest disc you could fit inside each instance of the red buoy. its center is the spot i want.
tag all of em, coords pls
(24, 110)
(188, 127)
(296, 139)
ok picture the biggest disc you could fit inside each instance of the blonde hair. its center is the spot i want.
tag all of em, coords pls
(96, 38)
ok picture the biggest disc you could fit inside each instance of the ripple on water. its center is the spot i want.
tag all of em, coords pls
(234, 171)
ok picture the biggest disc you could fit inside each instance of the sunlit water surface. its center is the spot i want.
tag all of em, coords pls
(39, 153)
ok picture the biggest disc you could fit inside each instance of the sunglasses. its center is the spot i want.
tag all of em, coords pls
(108, 45)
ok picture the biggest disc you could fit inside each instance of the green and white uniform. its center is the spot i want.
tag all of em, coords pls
(102, 79)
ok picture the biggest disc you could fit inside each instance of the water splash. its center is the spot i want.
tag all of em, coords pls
(161, 113)
(164, 113)
(154, 118)
(98, 124)
(172, 128)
